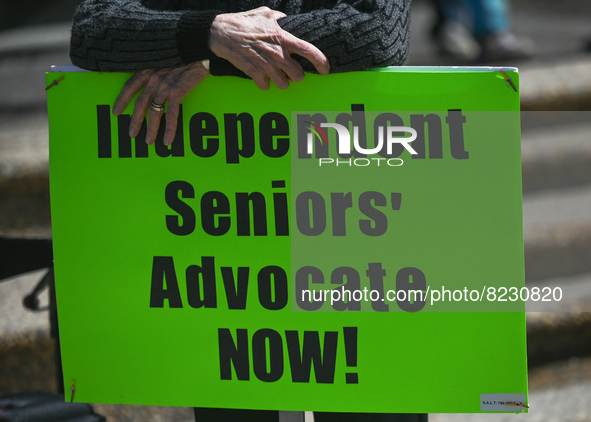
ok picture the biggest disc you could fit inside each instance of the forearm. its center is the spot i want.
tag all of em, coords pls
(127, 36)
(356, 35)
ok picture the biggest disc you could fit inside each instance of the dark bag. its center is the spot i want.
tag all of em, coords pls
(44, 407)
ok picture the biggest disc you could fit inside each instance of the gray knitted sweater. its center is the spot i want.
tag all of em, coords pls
(130, 35)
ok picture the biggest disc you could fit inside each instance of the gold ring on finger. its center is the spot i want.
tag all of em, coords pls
(157, 107)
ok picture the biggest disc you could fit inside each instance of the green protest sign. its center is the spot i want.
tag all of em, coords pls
(353, 244)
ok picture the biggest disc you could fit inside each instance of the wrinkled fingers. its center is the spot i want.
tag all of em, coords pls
(140, 108)
(133, 85)
(144, 101)
(155, 113)
(172, 115)
(292, 69)
(303, 48)
(159, 87)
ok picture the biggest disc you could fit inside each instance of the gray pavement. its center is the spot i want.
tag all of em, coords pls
(15, 318)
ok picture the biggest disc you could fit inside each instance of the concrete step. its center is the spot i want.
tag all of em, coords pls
(564, 84)
(557, 230)
(559, 329)
(557, 156)
(566, 295)
(24, 175)
(553, 336)
(34, 39)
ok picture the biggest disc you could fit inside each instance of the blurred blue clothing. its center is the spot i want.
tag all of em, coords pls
(484, 16)
(489, 16)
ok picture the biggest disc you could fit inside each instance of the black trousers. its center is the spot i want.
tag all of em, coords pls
(241, 415)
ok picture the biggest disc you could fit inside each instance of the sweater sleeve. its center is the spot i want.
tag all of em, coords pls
(127, 36)
(355, 34)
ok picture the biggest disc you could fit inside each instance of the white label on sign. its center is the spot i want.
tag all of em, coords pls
(503, 402)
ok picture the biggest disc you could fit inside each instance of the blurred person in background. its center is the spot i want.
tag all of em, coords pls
(477, 31)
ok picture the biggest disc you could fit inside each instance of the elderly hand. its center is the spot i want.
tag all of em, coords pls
(159, 86)
(254, 43)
